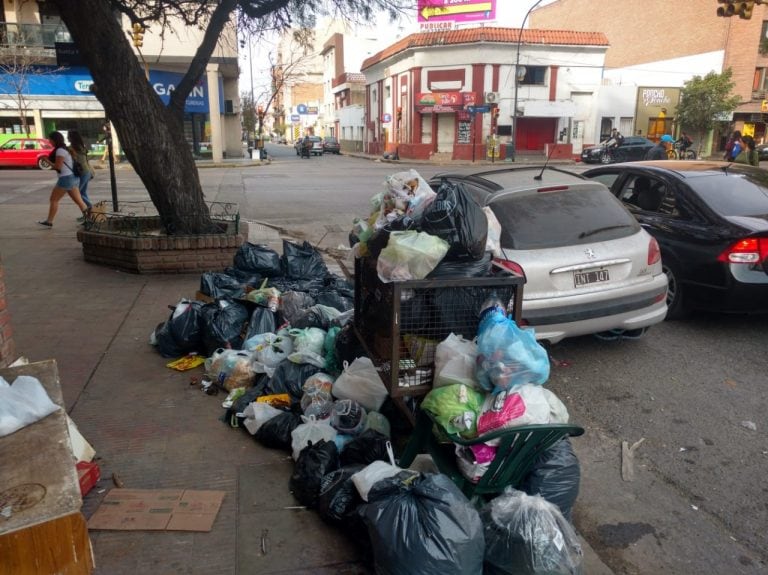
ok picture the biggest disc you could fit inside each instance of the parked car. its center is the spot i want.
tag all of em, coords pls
(711, 222)
(762, 152)
(633, 148)
(589, 266)
(317, 145)
(331, 146)
(26, 153)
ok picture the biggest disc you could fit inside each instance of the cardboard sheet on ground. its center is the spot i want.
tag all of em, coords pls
(157, 510)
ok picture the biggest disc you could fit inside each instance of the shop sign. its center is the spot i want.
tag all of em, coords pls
(295, 118)
(456, 11)
(444, 101)
(312, 109)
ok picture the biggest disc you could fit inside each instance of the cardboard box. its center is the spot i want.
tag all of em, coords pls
(88, 474)
(157, 510)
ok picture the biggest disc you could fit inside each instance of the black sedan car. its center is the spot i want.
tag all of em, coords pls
(331, 146)
(711, 222)
(632, 149)
(762, 152)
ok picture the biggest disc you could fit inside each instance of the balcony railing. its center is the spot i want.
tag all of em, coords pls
(14, 35)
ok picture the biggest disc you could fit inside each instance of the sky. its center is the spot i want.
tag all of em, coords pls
(509, 13)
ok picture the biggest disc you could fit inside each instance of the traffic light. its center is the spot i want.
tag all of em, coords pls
(138, 35)
(737, 8)
(260, 112)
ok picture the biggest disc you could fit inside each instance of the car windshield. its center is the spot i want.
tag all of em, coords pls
(734, 194)
(563, 218)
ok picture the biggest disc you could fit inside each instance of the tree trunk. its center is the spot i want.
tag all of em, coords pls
(151, 135)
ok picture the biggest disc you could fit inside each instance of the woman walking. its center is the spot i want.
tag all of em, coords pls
(66, 183)
(79, 153)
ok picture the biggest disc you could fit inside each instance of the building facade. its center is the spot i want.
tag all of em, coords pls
(455, 94)
(41, 92)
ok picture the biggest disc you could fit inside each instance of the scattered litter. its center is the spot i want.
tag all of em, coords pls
(264, 539)
(694, 508)
(730, 383)
(20, 361)
(683, 449)
(187, 362)
(295, 507)
(7, 512)
(749, 425)
(116, 480)
(628, 459)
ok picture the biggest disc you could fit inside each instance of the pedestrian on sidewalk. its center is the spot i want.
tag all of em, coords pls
(66, 184)
(79, 152)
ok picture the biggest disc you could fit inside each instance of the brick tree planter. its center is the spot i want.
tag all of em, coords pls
(146, 251)
(7, 349)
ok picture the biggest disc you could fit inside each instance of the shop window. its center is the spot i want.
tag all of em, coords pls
(535, 75)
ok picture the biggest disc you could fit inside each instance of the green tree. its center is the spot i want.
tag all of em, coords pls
(703, 100)
(160, 155)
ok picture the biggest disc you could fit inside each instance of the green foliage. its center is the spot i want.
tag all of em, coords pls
(702, 100)
(248, 113)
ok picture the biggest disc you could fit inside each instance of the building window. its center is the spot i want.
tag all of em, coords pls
(763, 48)
(535, 75)
(760, 83)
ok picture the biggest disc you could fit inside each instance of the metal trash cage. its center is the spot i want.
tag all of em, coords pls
(399, 324)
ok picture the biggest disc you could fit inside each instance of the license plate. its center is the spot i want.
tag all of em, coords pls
(581, 279)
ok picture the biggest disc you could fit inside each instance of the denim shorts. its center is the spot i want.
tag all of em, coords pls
(66, 182)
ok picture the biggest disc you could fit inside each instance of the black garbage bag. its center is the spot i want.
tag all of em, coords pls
(220, 285)
(348, 347)
(556, 476)
(335, 299)
(457, 218)
(284, 284)
(338, 496)
(425, 526)
(318, 315)
(258, 259)
(315, 461)
(262, 321)
(462, 268)
(223, 322)
(527, 535)
(251, 394)
(303, 261)
(289, 377)
(276, 432)
(293, 303)
(378, 241)
(246, 278)
(366, 448)
(182, 333)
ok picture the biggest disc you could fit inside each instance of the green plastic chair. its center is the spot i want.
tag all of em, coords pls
(518, 449)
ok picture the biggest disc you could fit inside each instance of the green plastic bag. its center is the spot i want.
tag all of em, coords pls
(456, 408)
(410, 255)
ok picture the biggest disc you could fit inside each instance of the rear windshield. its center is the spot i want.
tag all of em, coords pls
(555, 219)
(735, 194)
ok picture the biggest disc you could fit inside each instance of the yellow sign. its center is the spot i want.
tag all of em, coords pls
(431, 11)
(748, 130)
(764, 106)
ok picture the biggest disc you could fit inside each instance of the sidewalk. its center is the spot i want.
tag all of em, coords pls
(150, 427)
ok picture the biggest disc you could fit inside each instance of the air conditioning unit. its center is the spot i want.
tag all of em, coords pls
(491, 97)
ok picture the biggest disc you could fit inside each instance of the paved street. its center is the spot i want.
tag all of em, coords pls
(689, 389)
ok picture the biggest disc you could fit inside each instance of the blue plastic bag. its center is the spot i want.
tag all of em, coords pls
(506, 354)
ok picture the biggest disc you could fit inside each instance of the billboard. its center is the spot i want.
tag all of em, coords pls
(444, 14)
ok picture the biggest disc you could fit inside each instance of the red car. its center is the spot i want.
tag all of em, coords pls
(26, 152)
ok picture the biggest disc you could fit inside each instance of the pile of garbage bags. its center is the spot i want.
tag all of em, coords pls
(277, 340)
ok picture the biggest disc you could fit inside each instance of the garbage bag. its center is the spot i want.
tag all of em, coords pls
(455, 359)
(318, 384)
(276, 432)
(314, 462)
(524, 404)
(447, 269)
(182, 332)
(410, 255)
(360, 381)
(318, 315)
(302, 261)
(245, 278)
(289, 377)
(458, 219)
(223, 322)
(308, 346)
(268, 297)
(234, 414)
(348, 416)
(219, 285)
(231, 368)
(317, 407)
(335, 299)
(338, 497)
(366, 448)
(258, 259)
(257, 414)
(262, 321)
(424, 525)
(332, 363)
(270, 349)
(309, 432)
(556, 476)
(292, 303)
(456, 408)
(506, 354)
(378, 422)
(527, 535)
(22, 403)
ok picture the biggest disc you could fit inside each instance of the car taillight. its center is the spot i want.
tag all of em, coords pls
(654, 253)
(510, 266)
(746, 251)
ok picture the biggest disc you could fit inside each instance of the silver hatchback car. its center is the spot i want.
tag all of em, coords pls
(589, 267)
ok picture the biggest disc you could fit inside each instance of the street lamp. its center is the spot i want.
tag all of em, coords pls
(519, 75)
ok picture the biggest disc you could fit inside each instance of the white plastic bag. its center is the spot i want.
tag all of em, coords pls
(410, 255)
(455, 360)
(493, 243)
(308, 346)
(231, 368)
(270, 348)
(311, 431)
(524, 404)
(360, 381)
(257, 414)
(22, 403)
(370, 475)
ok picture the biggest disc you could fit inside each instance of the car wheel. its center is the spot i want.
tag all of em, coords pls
(676, 305)
(44, 164)
(605, 158)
